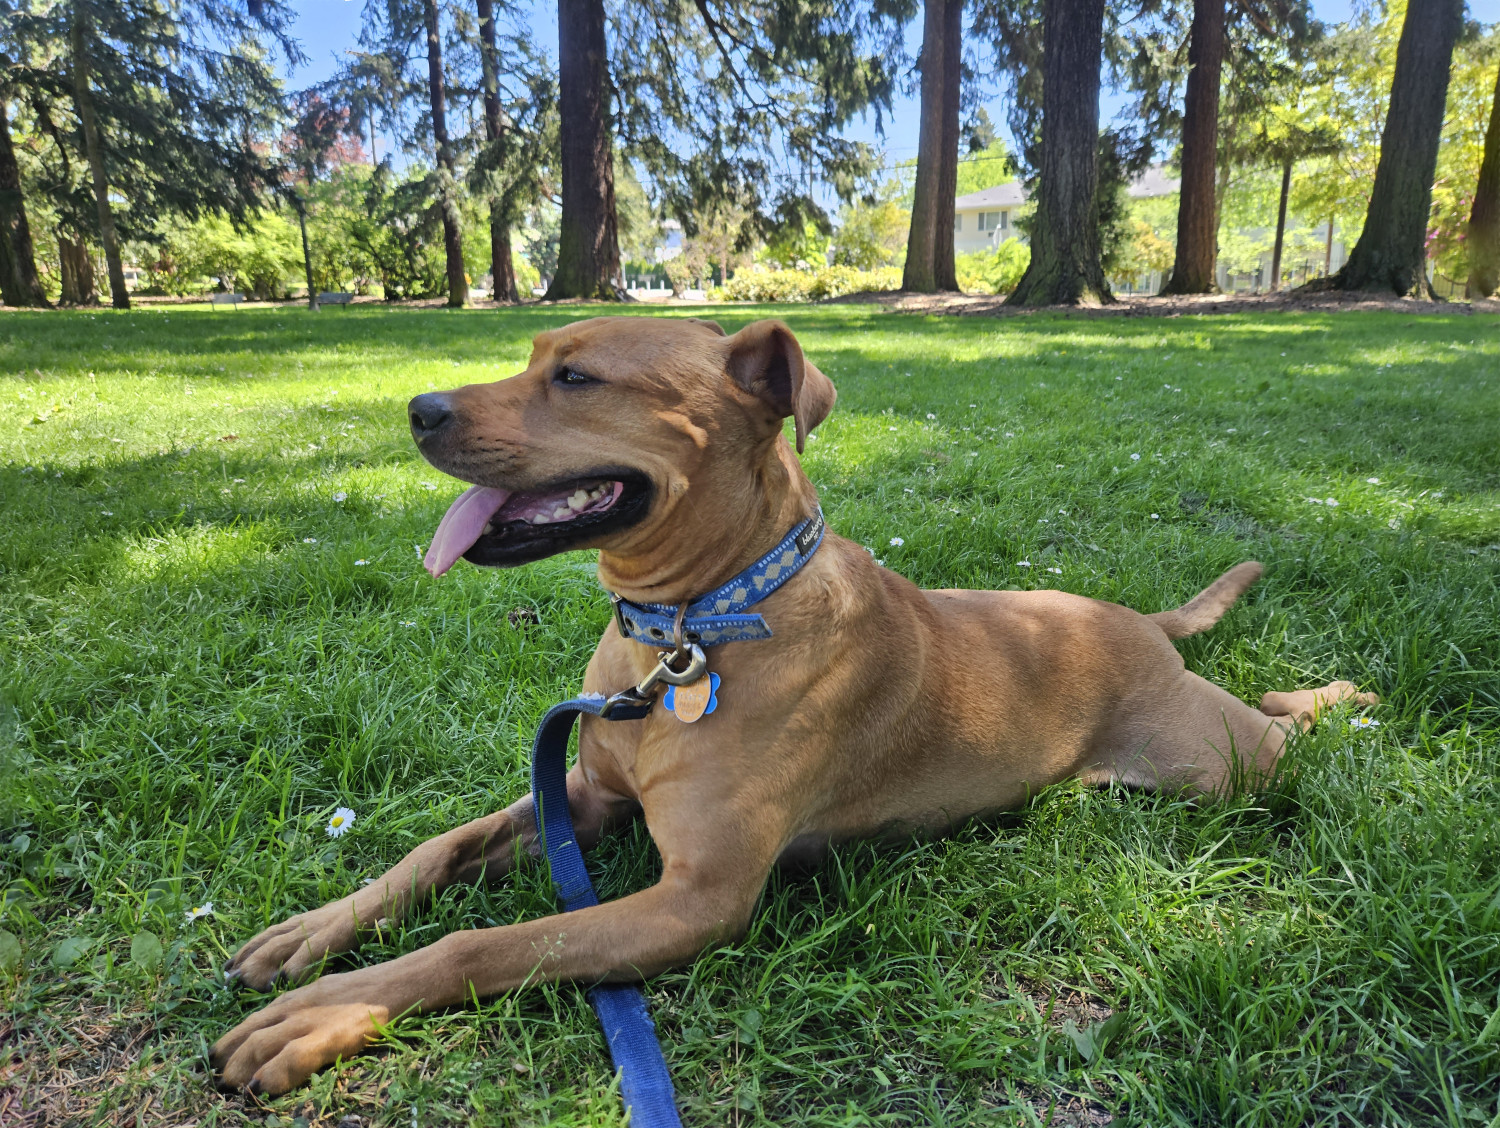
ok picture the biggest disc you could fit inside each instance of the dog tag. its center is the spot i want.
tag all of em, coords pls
(690, 702)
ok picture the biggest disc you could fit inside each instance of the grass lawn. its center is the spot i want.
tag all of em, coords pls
(214, 630)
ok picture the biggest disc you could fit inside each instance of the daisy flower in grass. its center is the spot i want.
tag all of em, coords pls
(897, 542)
(339, 825)
(203, 910)
(1363, 723)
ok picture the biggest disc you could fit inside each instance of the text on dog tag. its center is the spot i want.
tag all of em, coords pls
(690, 702)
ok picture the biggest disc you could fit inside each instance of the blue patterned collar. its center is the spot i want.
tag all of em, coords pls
(719, 616)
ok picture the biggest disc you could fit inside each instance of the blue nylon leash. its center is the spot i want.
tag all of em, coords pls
(645, 1084)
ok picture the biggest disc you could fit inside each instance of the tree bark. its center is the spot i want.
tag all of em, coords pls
(19, 284)
(929, 242)
(1065, 267)
(84, 99)
(1484, 219)
(312, 291)
(1392, 250)
(1286, 190)
(1197, 213)
(453, 230)
(502, 268)
(77, 272)
(588, 251)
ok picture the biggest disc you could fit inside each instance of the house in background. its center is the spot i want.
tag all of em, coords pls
(985, 219)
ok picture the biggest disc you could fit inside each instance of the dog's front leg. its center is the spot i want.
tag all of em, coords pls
(485, 847)
(280, 1046)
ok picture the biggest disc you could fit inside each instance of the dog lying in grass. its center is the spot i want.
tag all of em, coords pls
(866, 706)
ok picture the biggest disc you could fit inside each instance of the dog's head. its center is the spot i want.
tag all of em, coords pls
(618, 426)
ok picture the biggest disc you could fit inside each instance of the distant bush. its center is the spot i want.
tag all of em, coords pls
(806, 285)
(993, 272)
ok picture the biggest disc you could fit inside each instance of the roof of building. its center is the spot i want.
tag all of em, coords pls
(1153, 182)
(1000, 196)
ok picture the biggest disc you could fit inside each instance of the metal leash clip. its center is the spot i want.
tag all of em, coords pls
(661, 673)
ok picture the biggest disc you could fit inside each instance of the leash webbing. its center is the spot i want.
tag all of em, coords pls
(645, 1084)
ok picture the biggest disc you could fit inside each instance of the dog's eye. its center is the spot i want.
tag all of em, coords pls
(573, 379)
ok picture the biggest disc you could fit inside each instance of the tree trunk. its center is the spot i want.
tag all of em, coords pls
(312, 291)
(929, 243)
(77, 272)
(1197, 213)
(502, 268)
(1484, 220)
(588, 251)
(84, 100)
(1328, 251)
(1065, 266)
(453, 229)
(19, 284)
(1286, 190)
(1392, 250)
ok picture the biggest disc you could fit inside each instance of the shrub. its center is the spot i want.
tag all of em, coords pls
(806, 285)
(993, 272)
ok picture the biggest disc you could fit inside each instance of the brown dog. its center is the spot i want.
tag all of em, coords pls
(875, 708)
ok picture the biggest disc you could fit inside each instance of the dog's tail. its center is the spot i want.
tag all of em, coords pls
(1208, 606)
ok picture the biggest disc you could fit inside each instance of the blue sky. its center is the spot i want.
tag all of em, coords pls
(327, 28)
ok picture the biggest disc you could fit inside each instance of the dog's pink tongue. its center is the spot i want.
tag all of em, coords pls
(461, 526)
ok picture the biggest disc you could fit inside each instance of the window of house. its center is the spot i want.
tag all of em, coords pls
(958, 222)
(992, 221)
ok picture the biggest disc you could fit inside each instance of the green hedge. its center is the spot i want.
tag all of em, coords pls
(806, 285)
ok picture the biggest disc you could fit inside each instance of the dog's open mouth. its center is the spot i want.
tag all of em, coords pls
(492, 526)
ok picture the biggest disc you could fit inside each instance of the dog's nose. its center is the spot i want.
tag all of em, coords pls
(429, 414)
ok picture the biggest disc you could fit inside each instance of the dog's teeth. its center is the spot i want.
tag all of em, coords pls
(578, 500)
(540, 519)
(489, 527)
(561, 513)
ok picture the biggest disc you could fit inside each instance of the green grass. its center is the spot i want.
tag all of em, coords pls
(195, 669)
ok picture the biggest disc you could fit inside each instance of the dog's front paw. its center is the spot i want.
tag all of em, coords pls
(282, 1045)
(296, 947)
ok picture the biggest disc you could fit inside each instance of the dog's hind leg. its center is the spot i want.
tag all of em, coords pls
(1303, 706)
(484, 848)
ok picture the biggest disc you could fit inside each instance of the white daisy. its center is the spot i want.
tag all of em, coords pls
(360, 563)
(1373, 481)
(897, 542)
(428, 486)
(203, 910)
(1135, 458)
(1023, 563)
(1055, 571)
(309, 540)
(408, 622)
(930, 415)
(339, 825)
(340, 496)
(1156, 516)
(1363, 723)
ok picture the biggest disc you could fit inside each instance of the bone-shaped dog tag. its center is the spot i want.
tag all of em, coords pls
(690, 702)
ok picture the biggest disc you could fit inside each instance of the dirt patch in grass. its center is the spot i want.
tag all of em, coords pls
(1143, 305)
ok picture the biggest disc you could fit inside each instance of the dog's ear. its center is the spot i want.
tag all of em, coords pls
(766, 360)
(712, 326)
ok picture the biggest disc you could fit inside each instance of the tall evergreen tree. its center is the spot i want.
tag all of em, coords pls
(1391, 253)
(1197, 215)
(447, 186)
(19, 283)
(588, 253)
(1484, 219)
(168, 106)
(929, 246)
(1066, 265)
